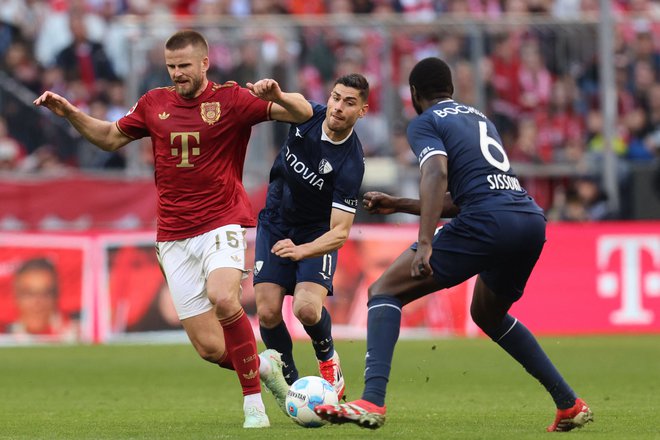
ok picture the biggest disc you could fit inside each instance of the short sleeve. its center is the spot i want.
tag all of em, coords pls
(348, 183)
(133, 124)
(252, 109)
(424, 139)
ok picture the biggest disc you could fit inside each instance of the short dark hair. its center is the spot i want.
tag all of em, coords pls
(432, 78)
(355, 81)
(38, 264)
(185, 38)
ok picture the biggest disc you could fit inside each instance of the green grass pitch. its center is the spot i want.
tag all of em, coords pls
(439, 389)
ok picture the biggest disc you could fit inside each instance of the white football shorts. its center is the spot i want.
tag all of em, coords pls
(187, 264)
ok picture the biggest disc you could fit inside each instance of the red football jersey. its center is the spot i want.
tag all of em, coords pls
(199, 148)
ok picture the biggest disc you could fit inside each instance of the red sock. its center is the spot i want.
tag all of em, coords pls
(242, 349)
(225, 361)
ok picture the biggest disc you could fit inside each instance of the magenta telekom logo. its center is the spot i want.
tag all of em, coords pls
(623, 274)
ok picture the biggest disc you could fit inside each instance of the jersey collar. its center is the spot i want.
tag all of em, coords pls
(324, 137)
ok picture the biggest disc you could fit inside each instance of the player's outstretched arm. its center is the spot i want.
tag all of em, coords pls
(103, 134)
(340, 226)
(287, 107)
(376, 202)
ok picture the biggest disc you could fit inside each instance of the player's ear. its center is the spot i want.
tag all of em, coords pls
(363, 110)
(205, 64)
(413, 92)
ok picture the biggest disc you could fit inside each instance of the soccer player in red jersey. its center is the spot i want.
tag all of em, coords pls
(199, 132)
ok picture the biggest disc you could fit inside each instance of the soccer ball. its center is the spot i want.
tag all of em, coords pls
(304, 395)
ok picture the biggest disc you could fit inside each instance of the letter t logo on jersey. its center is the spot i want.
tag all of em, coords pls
(186, 151)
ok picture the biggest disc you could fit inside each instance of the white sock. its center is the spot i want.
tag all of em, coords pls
(252, 400)
(264, 366)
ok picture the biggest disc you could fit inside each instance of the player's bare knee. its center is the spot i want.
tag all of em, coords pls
(209, 353)
(374, 290)
(487, 322)
(269, 317)
(226, 305)
(308, 313)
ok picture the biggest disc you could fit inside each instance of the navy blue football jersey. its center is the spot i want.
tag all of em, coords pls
(479, 173)
(312, 174)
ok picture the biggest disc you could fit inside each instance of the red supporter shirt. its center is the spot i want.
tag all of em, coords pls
(199, 148)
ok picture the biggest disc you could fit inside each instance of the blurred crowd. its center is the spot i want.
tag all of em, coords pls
(540, 82)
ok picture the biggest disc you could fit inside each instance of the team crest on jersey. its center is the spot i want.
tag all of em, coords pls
(210, 112)
(324, 166)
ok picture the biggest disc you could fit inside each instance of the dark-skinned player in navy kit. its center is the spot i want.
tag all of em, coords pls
(498, 233)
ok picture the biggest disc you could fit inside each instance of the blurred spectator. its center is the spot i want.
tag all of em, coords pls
(527, 149)
(644, 76)
(273, 7)
(652, 129)
(584, 201)
(559, 123)
(464, 81)
(422, 10)
(94, 158)
(10, 149)
(154, 75)
(36, 291)
(44, 159)
(504, 80)
(55, 32)
(534, 77)
(11, 12)
(83, 59)
(116, 96)
(595, 139)
(637, 148)
(116, 38)
(21, 65)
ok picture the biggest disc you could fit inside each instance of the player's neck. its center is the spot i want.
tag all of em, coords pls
(201, 89)
(336, 137)
(425, 104)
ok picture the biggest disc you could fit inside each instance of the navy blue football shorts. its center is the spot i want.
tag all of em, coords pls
(501, 246)
(269, 268)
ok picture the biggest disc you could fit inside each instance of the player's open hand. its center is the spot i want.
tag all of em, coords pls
(266, 89)
(287, 249)
(375, 202)
(55, 103)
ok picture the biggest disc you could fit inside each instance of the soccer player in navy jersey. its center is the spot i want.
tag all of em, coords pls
(200, 131)
(310, 206)
(498, 233)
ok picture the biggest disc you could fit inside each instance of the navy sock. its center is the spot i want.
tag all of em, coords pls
(321, 335)
(278, 338)
(383, 323)
(521, 344)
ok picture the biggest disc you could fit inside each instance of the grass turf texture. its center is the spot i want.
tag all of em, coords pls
(447, 389)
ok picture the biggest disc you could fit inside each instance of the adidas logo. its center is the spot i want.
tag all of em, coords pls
(163, 116)
(250, 374)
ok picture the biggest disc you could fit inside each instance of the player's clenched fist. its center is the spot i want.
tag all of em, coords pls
(376, 202)
(266, 89)
(55, 103)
